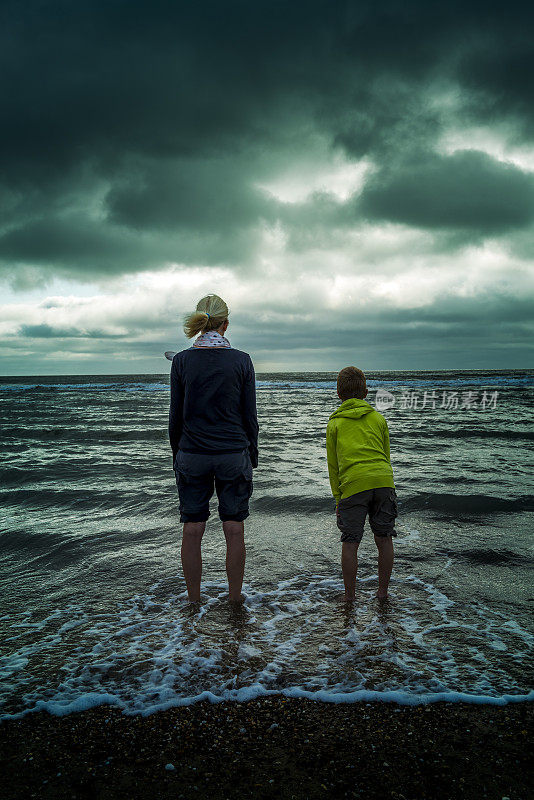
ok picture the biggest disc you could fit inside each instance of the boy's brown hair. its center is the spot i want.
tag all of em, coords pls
(351, 383)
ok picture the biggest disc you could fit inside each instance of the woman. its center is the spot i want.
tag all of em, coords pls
(213, 429)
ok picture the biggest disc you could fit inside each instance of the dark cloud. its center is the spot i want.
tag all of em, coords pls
(384, 120)
(69, 239)
(465, 190)
(498, 74)
(49, 332)
(203, 195)
(467, 319)
(72, 244)
(124, 118)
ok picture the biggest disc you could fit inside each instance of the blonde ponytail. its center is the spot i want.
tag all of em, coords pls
(210, 314)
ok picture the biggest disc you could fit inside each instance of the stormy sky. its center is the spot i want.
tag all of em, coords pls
(355, 179)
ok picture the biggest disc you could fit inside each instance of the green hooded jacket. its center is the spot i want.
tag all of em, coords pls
(357, 449)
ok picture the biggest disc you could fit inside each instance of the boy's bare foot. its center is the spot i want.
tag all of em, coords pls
(382, 596)
(347, 598)
(239, 600)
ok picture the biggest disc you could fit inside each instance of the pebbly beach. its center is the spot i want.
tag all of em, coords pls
(272, 747)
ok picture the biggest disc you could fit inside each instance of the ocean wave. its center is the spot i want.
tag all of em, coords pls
(291, 504)
(292, 383)
(460, 432)
(121, 501)
(456, 504)
(147, 500)
(298, 384)
(489, 556)
(95, 387)
(46, 432)
(488, 381)
(437, 382)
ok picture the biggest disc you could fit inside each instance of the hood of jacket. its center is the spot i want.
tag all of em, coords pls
(354, 408)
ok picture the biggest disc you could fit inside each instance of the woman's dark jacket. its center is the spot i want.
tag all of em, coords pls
(213, 402)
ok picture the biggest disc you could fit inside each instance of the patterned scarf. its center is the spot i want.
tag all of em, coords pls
(211, 339)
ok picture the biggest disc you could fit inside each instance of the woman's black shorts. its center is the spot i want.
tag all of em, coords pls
(198, 473)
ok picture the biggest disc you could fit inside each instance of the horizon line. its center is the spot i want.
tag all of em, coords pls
(271, 372)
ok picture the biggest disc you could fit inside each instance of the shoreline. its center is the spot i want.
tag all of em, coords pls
(272, 747)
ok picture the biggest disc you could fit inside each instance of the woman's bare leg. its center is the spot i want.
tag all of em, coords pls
(235, 558)
(192, 558)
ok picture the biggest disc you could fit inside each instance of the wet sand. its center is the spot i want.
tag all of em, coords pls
(272, 748)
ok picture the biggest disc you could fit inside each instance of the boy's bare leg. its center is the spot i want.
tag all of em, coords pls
(192, 558)
(235, 558)
(385, 564)
(349, 565)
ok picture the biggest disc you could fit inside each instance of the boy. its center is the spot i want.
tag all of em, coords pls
(357, 446)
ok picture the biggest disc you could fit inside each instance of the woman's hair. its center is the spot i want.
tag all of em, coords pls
(351, 383)
(211, 312)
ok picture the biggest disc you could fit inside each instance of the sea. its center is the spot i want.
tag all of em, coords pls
(93, 607)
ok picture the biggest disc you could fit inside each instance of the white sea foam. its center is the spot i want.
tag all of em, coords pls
(295, 639)
(91, 700)
(408, 533)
